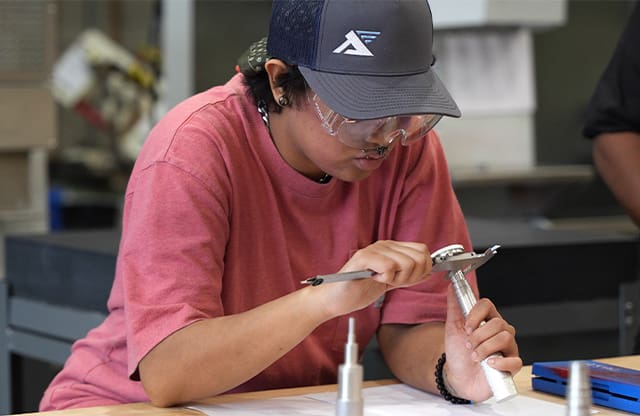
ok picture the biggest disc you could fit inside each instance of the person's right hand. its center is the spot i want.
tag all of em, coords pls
(396, 263)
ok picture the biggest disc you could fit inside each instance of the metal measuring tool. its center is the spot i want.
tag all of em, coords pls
(458, 263)
(448, 258)
(454, 260)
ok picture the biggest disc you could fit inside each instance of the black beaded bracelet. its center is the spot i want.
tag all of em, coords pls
(440, 383)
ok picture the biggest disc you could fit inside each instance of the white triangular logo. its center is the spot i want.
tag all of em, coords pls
(354, 46)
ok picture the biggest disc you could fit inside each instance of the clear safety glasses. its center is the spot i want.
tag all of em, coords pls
(373, 134)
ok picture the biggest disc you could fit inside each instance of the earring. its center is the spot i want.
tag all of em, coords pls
(283, 100)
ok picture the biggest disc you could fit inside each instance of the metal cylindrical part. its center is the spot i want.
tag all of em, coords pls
(501, 382)
(464, 293)
(350, 376)
(349, 408)
(578, 389)
(350, 402)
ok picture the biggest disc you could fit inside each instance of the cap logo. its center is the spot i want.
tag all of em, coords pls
(355, 43)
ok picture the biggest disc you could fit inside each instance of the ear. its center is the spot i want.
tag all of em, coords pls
(275, 69)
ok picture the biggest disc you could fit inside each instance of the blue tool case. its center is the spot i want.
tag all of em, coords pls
(611, 386)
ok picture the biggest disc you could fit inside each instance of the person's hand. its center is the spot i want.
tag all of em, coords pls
(396, 264)
(468, 342)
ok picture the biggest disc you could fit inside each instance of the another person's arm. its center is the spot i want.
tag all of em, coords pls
(612, 120)
(617, 157)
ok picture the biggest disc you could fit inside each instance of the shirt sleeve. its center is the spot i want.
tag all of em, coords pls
(615, 104)
(428, 212)
(171, 258)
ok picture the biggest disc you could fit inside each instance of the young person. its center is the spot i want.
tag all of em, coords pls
(297, 169)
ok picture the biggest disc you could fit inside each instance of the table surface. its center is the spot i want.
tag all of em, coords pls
(522, 379)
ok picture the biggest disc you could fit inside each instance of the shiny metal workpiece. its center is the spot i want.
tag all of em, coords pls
(458, 264)
(350, 376)
(578, 389)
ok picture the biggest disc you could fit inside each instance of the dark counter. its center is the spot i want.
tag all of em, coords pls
(76, 268)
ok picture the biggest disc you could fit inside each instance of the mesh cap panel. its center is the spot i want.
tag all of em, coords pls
(294, 30)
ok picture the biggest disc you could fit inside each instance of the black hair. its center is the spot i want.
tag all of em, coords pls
(292, 83)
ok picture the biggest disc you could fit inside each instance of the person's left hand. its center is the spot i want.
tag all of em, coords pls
(471, 340)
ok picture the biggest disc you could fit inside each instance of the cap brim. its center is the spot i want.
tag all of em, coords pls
(362, 97)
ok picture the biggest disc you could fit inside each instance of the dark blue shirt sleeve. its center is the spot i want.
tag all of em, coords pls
(615, 104)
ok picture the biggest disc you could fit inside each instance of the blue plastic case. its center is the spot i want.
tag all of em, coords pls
(611, 386)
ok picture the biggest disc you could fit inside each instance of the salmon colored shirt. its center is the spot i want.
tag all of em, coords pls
(215, 223)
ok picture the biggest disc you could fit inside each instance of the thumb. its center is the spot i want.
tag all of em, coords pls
(454, 313)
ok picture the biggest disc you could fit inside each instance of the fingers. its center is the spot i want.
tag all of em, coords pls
(396, 263)
(510, 364)
(483, 334)
(488, 333)
(485, 340)
(483, 311)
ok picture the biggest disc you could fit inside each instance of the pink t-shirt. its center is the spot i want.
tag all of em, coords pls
(216, 223)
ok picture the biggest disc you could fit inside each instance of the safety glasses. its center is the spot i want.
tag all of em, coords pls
(372, 134)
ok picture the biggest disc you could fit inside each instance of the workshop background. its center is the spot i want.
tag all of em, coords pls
(82, 82)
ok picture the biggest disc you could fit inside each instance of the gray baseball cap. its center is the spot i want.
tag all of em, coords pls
(364, 58)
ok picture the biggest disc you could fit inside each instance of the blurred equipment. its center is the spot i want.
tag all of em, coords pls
(28, 35)
(116, 91)
(498, 102)
(28, 127)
